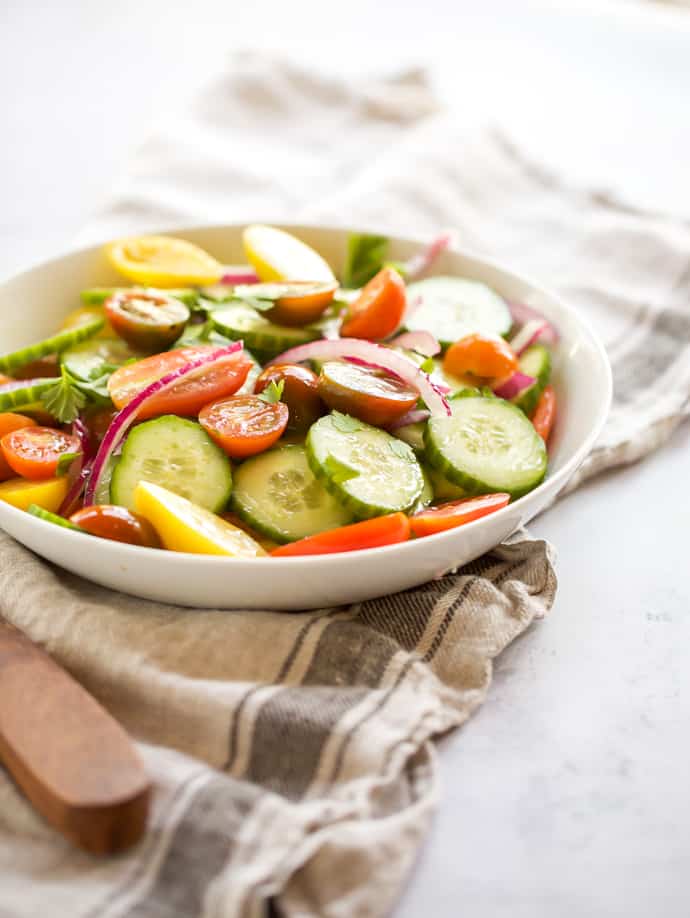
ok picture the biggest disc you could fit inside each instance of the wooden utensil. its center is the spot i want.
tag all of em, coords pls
(72, 760)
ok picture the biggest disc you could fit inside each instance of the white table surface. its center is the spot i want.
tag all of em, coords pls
(567, 795)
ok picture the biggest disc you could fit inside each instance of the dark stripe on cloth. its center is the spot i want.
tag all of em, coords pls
(293, 726)
(668, 336)
(201, 844)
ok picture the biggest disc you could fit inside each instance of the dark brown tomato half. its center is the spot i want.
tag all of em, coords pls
(300, 394)
(365, 393)
(146, 320)
(118, 524)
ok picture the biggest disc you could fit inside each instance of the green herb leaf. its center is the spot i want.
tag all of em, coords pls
(65, 461)
(466, 392)
(345, 423)
(402, 450)
(260, 304)
(273, 392)
(428, 366)
(366, 255)
(64, 400)
(338, 471)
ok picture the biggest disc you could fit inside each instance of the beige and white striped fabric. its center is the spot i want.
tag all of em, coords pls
(292, 753)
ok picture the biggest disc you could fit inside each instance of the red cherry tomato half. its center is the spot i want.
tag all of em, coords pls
(188, 397)
(545, 413)
(117, 523)
(365, 393)
(300, 393)
(245, 424)
(379, 308)
(480, 355)
(382, 530)
(456, 513)
(146, 320)
(296, 303)
(9, 422)
(34, 452)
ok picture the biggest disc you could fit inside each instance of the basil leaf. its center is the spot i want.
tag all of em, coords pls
(366, 255)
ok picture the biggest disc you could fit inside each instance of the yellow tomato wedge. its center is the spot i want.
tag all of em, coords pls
(21, 493)
(278, 256)
(163, 261)
(184, 526)
(83, 314)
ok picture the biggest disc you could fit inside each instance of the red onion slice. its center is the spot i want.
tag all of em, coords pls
(528, 334)
(421, 341)
(376, 355)
(421, 262)
(410, 417)
(514, 385)
(239, 274)
(124, 419)
(522, 314)
(80, 468)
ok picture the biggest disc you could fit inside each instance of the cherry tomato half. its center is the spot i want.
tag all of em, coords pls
(365, 393)
(300, 393)
(146, 320)
(457, 513)
(34, 452)
(382, 530)
(296, 303)
(379, 308)
(545, 413)
(118, 524)
(245, 424)
(190, 395)
(10, 422)
(480, 355)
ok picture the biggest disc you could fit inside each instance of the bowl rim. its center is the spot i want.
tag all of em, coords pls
(123, 551)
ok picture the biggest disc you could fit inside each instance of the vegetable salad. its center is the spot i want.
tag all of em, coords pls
(274, 408)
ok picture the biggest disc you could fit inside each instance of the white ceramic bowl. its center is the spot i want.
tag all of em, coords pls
(33, 303)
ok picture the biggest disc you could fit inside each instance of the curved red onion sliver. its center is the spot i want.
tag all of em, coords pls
(514, 385)
(410, 417)
(127, 415)
(422, 261)
(384, 358)
(421, 341)
(239, 274)
(522, 314)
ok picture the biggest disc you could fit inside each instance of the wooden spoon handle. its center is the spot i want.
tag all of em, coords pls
(72, 760)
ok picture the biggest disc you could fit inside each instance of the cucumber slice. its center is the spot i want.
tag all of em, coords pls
(413, 435)
(178, 455)
(452, 307)
(427, 495)
(21, 394)
(54, 345)
(444, 490)
(536, 362)
(240, 322)
(247, 387)
(486, 445)
(91, 359)
(367, 469)
(277, 494)
(49, 517)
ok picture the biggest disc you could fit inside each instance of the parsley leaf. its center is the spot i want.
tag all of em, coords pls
(402, 450)
(64, 462)
(273, 392)
(365, 257)
(345, 423)
(64, 400)
(428, 366)
(261, 304)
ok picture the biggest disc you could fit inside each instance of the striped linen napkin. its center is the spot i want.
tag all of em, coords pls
(292, 753)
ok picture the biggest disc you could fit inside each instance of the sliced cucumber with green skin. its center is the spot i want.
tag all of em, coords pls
(247, 387)
(367, 469)
(240, 322)
(96, 296)
(176, 454)
(444, 490)
(20, 394)
(54, 345)
(277, 494)
(427, 495)
(49, 517)
(91, 359)
(536, 362)
(413, 435)
(453, 307)
(486, 445)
